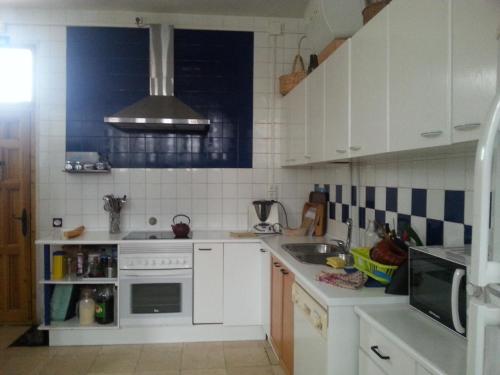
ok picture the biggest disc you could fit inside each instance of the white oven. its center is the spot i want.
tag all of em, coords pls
(156, 284)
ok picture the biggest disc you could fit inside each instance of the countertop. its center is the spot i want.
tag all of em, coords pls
(328, 295)
(430, 344)
(106, 238)
(305, 274)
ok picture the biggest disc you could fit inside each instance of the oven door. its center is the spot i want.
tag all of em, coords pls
(156, 297)
(437, 288)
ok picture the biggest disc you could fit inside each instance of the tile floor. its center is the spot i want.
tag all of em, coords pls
(213, 358)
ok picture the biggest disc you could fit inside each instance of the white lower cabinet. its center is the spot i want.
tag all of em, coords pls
(367, 366)
(384, 353)
(208, 283)
(242, 284)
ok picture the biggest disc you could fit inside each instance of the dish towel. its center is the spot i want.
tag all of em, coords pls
(355, 280)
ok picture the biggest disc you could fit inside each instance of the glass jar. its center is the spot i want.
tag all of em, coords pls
(86, 308)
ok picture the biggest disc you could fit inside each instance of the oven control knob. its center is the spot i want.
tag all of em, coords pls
(153, 262)
(168, 261)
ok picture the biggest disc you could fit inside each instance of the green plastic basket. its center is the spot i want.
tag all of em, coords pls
(378, 271)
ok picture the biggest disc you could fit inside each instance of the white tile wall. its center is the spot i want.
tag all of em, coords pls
(214, 198)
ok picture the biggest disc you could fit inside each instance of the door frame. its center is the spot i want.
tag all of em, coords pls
(28, 110)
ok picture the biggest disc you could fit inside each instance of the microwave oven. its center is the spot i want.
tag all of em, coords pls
(437, 284)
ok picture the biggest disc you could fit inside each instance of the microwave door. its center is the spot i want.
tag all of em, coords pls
(483, 318)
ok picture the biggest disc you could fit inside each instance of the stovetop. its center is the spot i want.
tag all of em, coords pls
(154, 235)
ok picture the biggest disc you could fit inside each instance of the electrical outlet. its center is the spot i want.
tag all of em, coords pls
(57, 222)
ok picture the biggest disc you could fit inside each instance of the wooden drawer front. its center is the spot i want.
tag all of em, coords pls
(395, 361)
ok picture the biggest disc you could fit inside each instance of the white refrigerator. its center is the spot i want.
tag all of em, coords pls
(483, 325)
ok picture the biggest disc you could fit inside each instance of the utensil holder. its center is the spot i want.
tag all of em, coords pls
(114, 222)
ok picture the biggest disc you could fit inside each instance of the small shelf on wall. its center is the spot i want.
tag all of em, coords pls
(74, 324)
(88, 171)
(81, 281)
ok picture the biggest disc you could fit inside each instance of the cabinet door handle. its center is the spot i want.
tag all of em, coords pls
(284, 272)
(432, 134)
(263, 251)
(374, 349)
(467, 127)
(276, 264)
(204, 249)
(355, 148)
(339, 151)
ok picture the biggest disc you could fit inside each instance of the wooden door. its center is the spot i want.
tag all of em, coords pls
(276, 305)
(287, 329)
(15, 244)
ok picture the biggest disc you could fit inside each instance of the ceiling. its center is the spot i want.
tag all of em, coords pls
(263, 8)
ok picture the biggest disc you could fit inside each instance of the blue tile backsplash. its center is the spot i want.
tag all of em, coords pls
(432, 229)
(108, 69)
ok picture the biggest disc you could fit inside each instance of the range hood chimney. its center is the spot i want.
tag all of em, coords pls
(161, 110)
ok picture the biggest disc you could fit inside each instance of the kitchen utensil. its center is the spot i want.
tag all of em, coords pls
(320, 220)
(181, 229)
(114, 205)
(88, 166)
(68, 166)
(78, 166)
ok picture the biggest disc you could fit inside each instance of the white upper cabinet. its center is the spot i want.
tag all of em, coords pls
(474, 52)
(369, 120)
(337, 103)
(242, 284)
(315, 115)
(294, 104)
(419, 74)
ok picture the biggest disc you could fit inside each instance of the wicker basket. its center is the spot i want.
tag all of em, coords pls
(373, 9)
(289, 81)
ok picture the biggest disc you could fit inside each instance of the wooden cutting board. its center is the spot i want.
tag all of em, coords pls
(320, 221)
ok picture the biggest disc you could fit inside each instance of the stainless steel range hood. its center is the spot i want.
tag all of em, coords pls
(161, 110)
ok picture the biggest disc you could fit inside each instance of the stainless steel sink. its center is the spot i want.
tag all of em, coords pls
(314, 253)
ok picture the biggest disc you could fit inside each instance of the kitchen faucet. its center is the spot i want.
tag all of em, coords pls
(349, 236)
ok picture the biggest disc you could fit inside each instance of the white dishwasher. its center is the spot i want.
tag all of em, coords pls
(310, 325)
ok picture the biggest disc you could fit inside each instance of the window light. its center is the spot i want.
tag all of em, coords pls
(16, 75)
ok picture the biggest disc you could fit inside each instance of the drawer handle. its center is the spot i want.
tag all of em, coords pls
(374, 349)
(466, 127)
(433, 134)
(204, 249)
(355, 148)
(276, 264)
(263, 251)
(341, 151)
(284, 272)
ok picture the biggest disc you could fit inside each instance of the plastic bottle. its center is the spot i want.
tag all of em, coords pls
(371, 237)
(86, 308)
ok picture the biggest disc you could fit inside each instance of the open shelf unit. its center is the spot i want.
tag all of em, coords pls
(49, 285)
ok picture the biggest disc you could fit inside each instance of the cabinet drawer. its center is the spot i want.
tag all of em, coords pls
(389, 358)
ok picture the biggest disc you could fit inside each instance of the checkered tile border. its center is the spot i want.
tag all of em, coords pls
(438, 216)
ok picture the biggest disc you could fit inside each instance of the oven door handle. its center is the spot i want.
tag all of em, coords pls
(133, 274)
(455, 291)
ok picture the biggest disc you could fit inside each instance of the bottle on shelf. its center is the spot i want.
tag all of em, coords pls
(86, 308)
(104, 307)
